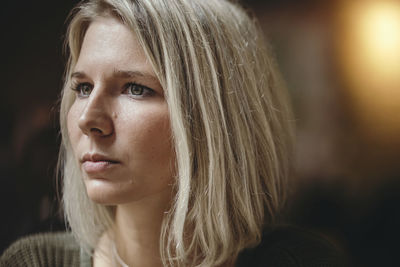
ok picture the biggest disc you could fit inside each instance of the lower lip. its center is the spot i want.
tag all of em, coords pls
(97, 166)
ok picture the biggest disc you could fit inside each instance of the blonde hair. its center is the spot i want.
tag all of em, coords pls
(230, 122)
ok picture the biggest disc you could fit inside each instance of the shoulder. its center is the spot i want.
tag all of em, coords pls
(50, 249)
(292, 247)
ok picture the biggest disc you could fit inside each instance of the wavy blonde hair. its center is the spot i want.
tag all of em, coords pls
(230, 120)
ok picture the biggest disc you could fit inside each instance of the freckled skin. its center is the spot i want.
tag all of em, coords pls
(135, 131)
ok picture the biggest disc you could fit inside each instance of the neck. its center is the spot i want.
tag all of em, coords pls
(137, 229)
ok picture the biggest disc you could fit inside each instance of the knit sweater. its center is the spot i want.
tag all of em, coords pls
(279, 248)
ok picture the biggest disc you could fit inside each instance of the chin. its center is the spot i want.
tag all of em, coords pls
(105, 193)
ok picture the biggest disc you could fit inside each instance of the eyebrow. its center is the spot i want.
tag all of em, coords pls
(119, 74)
(132, 74)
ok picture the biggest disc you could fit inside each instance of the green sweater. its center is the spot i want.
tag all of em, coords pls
(280, 248)
(47, 250)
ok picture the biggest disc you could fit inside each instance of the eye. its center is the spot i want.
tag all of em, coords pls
(135, 89)
(83, 89)
(138, 91)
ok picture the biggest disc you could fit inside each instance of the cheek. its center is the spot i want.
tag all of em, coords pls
(149, 137)
(72, 126)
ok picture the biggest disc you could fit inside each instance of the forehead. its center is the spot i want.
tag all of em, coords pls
(110, 44)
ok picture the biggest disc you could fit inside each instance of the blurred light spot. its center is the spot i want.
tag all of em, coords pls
(369, 44)
(378, 27)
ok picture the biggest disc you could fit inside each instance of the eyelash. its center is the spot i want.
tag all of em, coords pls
(145, 91)
(77, 87)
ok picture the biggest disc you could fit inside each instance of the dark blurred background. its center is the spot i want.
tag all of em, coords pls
(341, 62)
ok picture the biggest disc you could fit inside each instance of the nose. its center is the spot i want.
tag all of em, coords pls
(95, 119)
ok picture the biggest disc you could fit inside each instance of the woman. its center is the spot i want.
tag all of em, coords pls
(176, 140)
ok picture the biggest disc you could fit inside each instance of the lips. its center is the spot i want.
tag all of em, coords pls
(97, 163)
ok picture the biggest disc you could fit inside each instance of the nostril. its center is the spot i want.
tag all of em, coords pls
(99, 132)
(95, 120)
(96, 130)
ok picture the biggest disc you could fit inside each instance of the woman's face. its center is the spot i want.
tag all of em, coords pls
(118, 124)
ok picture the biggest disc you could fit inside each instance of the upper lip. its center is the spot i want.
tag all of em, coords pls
(97, 157)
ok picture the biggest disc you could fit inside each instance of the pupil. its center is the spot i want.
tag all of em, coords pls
(136, 90)
(86, 89)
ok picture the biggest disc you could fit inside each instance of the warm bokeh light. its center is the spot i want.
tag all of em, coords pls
(377, 28)
(368, 40)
